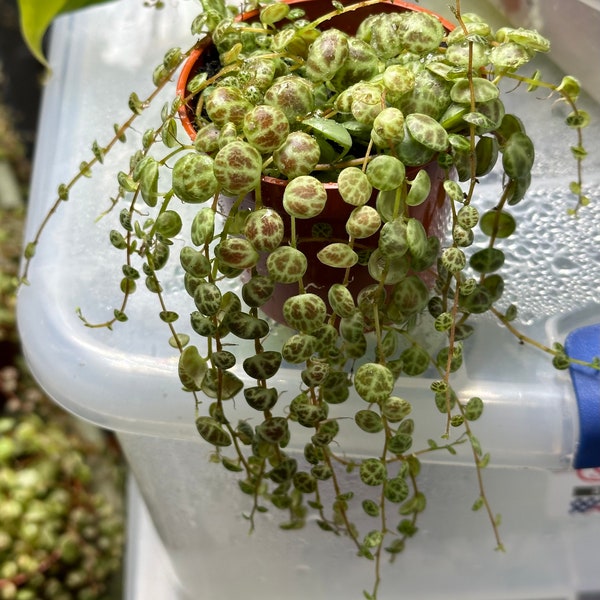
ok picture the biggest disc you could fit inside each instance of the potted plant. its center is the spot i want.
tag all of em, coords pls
(298, 116)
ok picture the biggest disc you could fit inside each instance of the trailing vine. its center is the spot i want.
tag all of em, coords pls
(361, 116)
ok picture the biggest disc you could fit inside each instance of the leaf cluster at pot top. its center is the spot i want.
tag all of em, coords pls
(375, 111)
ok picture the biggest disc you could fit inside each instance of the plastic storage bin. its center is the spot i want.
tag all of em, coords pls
(125, 379)
(551, 19)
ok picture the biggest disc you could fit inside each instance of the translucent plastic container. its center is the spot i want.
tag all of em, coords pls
(125, 380)
(560, 21)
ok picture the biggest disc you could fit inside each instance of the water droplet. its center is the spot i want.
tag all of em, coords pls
(564, 265)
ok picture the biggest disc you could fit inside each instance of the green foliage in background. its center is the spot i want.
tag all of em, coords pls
(36, 16)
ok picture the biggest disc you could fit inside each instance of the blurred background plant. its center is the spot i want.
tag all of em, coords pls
(61, 481)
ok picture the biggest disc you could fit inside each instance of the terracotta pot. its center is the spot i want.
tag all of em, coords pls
(320, 277)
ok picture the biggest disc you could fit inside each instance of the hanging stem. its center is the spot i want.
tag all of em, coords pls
(85, 167)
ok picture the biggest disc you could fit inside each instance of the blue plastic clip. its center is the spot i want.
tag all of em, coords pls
(584, 344)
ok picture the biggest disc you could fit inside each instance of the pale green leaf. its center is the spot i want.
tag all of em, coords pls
(36, 17)
(331, 131)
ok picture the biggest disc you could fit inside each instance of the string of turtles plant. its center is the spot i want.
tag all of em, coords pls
(357, 114)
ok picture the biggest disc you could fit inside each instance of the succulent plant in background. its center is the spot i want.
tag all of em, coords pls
(61, 482)
(334, 154)
(61, 535)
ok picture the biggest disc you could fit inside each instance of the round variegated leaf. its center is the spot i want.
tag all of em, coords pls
(326, 55)
(394, 409)
(354, 186)
(388, 126)
(207, 297)
(247, 327)
(420, 187)
(474, 408)
(211, 431)
(518, 155)
(487, 260)
(273, 430)
(420, 32)
(410, 295)
(352, 328)
(305, 312)
(468, 216)
(372, 472)
(483, 90)
(226, 104)
(369, 421)
(202, 324)
(298, 348)
(286, 469)
(299, 154)
(363, 222)
(386, 172)
(168, 224)
(222, 385)
(454, 259)
(398, 79)
(148, 178)
(266, 127)
(341, 300)
(307, 414)
(526, 37)
(192, 368)
(400, 443)
(510, 55)
(236, 253)
(466, 54)
(338, 255)
(396, 490)
(304, 482)
(274, 13)
(416, 238)
(238, 168)
(393, 241)
(286, 264)
(261, 398)
(257, 290)
(264, 229)
(194, 262)
(223, 359)
(315, 372)
(388, 270)
(193, 179)
(373, 382)
(304, 197)
(203, 226)
(415, 361)
(494, 111)
(263, 365)
(427, 131)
